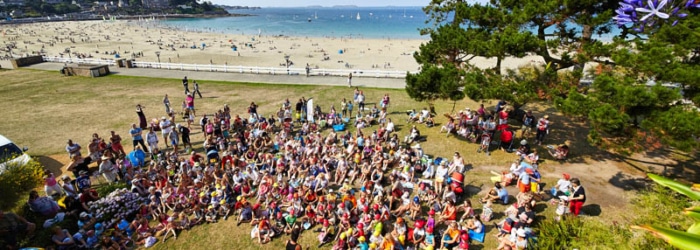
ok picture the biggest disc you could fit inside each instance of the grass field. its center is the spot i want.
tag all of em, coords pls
(42, 110)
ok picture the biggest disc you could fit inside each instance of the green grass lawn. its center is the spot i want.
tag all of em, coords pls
(43, 109)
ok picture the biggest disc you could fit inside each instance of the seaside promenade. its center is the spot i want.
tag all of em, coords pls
(203, 76)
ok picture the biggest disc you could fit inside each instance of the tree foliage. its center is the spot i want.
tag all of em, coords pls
(435, 82)
(640, 78)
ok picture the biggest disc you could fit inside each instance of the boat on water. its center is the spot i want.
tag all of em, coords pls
(315, 15)
(358, 15)
(308, 19)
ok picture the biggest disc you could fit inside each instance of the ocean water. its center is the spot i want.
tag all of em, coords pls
(373, 22)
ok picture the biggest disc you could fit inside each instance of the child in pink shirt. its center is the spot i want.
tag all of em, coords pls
(51, 186)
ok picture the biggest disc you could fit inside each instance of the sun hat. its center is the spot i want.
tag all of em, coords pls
(361, 239)
(162, 118)
(523, 142)
(520, 232)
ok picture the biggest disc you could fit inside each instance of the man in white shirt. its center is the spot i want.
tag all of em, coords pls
(424, 114)
(165, 127)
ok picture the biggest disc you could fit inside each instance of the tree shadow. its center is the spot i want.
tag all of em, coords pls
(628, 182)
(51, 164)
(592, 210)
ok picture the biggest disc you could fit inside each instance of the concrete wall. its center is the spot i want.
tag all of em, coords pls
(89, 71)
(26, 61)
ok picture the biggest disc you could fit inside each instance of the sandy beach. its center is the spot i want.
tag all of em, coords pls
(141, 40)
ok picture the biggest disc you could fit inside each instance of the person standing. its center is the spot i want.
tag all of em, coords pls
(166, 102)
(361, 101)
(136, 136)
(196, 90)
(142, 117)
(185, 134)
(189, 100)
(577, 197)
(174, 139)
(165, 127)
(344, 107)
(542, 129)
(185, 84)
(152, 139)
(350, 80)
(528, 124)
(73, 149)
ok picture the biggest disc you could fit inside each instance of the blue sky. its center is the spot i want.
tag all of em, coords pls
(303, 3)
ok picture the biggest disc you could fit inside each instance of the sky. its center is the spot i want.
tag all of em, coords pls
(326, 3)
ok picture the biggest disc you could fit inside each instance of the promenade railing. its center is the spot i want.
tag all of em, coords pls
(95, 61)
(240, 69)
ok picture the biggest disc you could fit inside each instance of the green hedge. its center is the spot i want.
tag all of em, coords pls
(17, 180)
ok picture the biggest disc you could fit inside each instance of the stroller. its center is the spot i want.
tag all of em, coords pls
(506, 141)
(485, 143)
(213, 156)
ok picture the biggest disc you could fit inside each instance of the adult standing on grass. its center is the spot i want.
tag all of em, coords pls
(577, 197)
(185, 134)
(142, 118)
(174, 139)
(190, 103)
(542, 129)
(166, 102)
(350, 80)
(165, 127)
(73, 149)
(361, 101)
(196, 90)
(136, 136)
(185, 84)
(152, 139)
(12, 225)
(528, 124)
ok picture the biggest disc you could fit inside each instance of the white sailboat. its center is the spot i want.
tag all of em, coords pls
(358, 15)
(404, 13)
(315, 15)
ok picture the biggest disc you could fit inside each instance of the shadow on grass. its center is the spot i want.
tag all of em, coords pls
(628, 182)
(592, 210)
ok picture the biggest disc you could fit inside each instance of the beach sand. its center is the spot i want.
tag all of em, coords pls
(141, 40)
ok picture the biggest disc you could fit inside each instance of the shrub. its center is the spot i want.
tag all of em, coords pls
(19, 179)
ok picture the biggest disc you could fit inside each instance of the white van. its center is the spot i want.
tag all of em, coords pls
(11, 154)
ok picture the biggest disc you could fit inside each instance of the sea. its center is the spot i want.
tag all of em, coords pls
(337, 22)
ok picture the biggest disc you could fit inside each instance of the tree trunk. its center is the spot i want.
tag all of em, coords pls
(498, 65)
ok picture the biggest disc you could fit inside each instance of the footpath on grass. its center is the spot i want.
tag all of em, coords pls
(364, 82)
